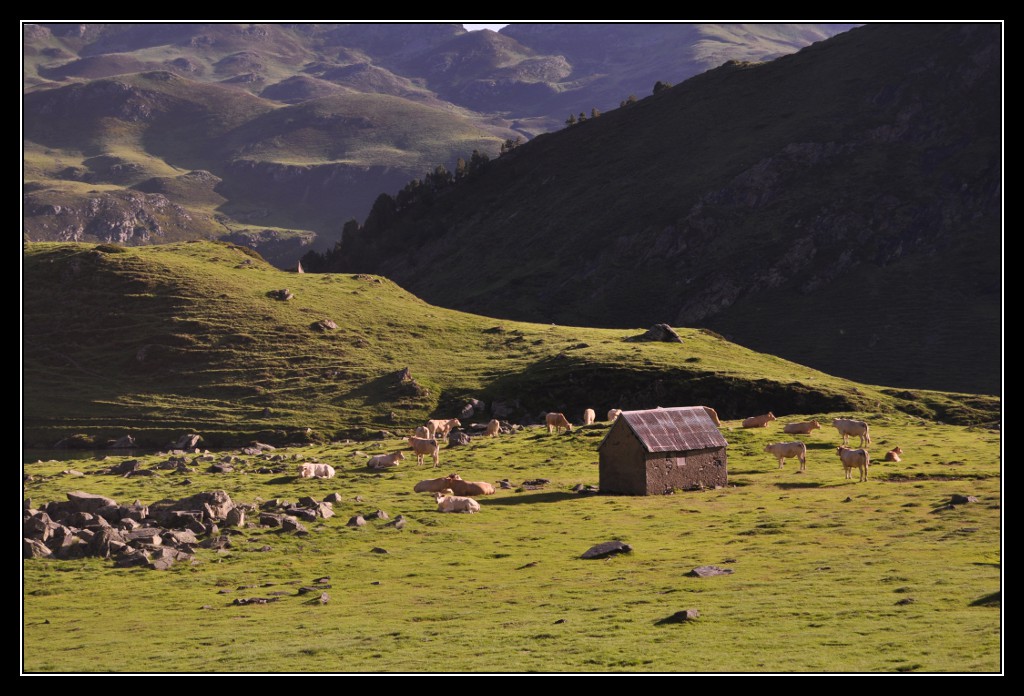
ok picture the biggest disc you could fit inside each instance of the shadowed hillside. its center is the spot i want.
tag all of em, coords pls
(839, 207)
(305, 124)
(161, 339)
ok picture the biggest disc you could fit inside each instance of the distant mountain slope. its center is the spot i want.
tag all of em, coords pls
(163, 339)
(305, 124)
(839, 207)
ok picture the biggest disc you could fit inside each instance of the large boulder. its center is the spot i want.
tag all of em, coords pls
(33, 548)
(88, 502)
(660, 332)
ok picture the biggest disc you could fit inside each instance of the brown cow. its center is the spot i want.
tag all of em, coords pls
(423, 447)
(802, 428)
(759, 421)
(555, 421)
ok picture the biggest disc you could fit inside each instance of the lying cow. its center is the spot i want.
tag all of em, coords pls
(385, 461)
(455, 503)
(555, 421)
(311, 470)
(432, 485)
(460, 487)
(893, 455)
(758, 421)
(788, 450)
(424, 447)
(802, 428)
(854, 459)
(848, 427)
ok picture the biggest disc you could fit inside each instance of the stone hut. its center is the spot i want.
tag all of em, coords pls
(660, 450)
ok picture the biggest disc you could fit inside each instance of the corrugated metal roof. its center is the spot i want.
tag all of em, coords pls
(674, 429)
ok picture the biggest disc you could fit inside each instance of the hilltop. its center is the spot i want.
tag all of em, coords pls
(155, 341)
(273, 135)
(840, 207)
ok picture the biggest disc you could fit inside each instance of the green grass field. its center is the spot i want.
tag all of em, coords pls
(156, 341)
(829, 575)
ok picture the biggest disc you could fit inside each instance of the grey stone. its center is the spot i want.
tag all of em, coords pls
(397, 523)
(356, 521)
(235, 517)
(377, 549)
(123, 442)
(33, 548)
(88, 502)
(608, 548)
(378, 515)
(709, 571)
(958, 499)
(457, 438)
(290, 524)
(333, 498)
(681, 617)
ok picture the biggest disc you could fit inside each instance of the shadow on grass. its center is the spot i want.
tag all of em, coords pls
(281, 479)
(989, 600)
(527, 498)
(801, 484)
(821, 446)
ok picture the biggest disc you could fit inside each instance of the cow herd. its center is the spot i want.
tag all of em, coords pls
(453, 494)
(850, 458)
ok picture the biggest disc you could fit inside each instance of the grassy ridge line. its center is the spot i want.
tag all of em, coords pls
(157, 340)
(819, 562)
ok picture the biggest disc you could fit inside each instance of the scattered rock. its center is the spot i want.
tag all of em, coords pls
(290, 524)
(123, 442)
(397, 523)
(356, 521)
(283, 294)
(848, 499)
(958, 499)
(559, 621)
(608, 548)
(457, 438)
(905, 601)
(506, 484)
(221, 468)
(323, 325)
(659, 332)
(188, 441)
(944, 508)
(378, 515)
(680, 617)
(377, 549)
(242, 601)
(467, 412)
(333, 498)
(709, 571)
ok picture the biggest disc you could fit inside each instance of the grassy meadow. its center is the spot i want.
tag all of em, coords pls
(829, 575)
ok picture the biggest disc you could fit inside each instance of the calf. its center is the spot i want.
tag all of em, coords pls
(893, 455)
(854, 459)
(455, 503)
(385, 461)
(788, 450)
(312, 470)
